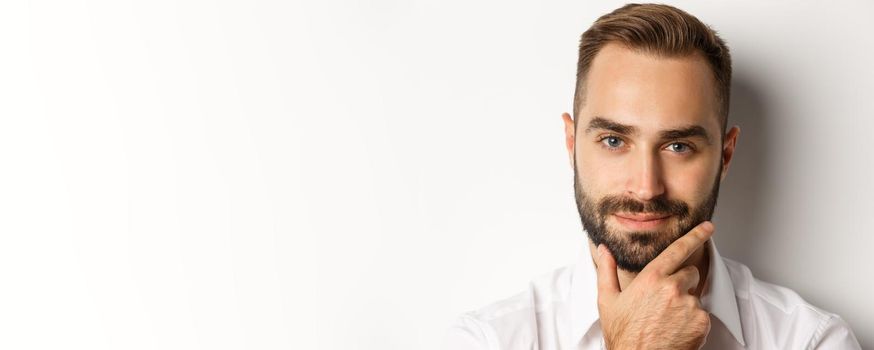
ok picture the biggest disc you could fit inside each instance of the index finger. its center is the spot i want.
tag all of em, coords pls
(672, 257)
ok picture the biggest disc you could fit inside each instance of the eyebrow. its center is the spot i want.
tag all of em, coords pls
(607, 124)
(684, 132)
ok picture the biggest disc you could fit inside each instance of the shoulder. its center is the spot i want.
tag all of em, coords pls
(778, 316)
(513, 321)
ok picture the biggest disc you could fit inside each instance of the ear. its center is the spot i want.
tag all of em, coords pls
(569, 136)
(728, 149)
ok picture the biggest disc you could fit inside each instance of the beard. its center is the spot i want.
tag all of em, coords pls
(633, 250)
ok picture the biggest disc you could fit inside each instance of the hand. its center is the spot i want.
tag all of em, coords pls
(656, 310)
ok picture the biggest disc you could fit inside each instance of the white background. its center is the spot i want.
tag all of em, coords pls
(355, 174)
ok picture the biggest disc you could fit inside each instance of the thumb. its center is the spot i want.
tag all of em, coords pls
(608, 281)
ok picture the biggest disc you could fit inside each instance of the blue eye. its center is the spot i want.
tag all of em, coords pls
(612, 141)
(680, 147)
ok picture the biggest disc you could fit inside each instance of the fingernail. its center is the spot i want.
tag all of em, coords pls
(708, 226)
(600, 246)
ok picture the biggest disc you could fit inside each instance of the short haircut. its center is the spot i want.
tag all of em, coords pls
(662, 30)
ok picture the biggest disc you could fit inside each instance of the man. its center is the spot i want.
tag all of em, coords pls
(649, 148)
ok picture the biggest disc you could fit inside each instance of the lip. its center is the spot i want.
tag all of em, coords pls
(641, 222)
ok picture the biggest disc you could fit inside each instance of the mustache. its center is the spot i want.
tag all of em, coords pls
(658, 205)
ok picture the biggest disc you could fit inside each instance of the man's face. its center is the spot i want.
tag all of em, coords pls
(647, 152)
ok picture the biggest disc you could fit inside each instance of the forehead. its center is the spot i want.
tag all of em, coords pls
(649, 91)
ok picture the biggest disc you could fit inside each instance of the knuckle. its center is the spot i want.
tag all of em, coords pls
(702, 233)
(681, 246)
(691, 273)
(691, 269)
(656, 271)
(671, 289)
(699, 232)
(693, 302)
(671, 257)
(651, 278)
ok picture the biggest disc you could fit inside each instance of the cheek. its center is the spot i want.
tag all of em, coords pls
(691, 182)
(599, 174)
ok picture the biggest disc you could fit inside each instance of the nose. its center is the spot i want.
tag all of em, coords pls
(645, 181)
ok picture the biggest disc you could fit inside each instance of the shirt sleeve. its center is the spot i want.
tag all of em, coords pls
(834, 333)
(467, 333)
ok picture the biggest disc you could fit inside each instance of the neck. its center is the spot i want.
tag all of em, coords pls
(700, 259)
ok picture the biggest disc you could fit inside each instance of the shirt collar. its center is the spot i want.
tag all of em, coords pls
(718, 297)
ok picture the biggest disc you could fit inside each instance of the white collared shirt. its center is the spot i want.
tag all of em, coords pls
(559, 310)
